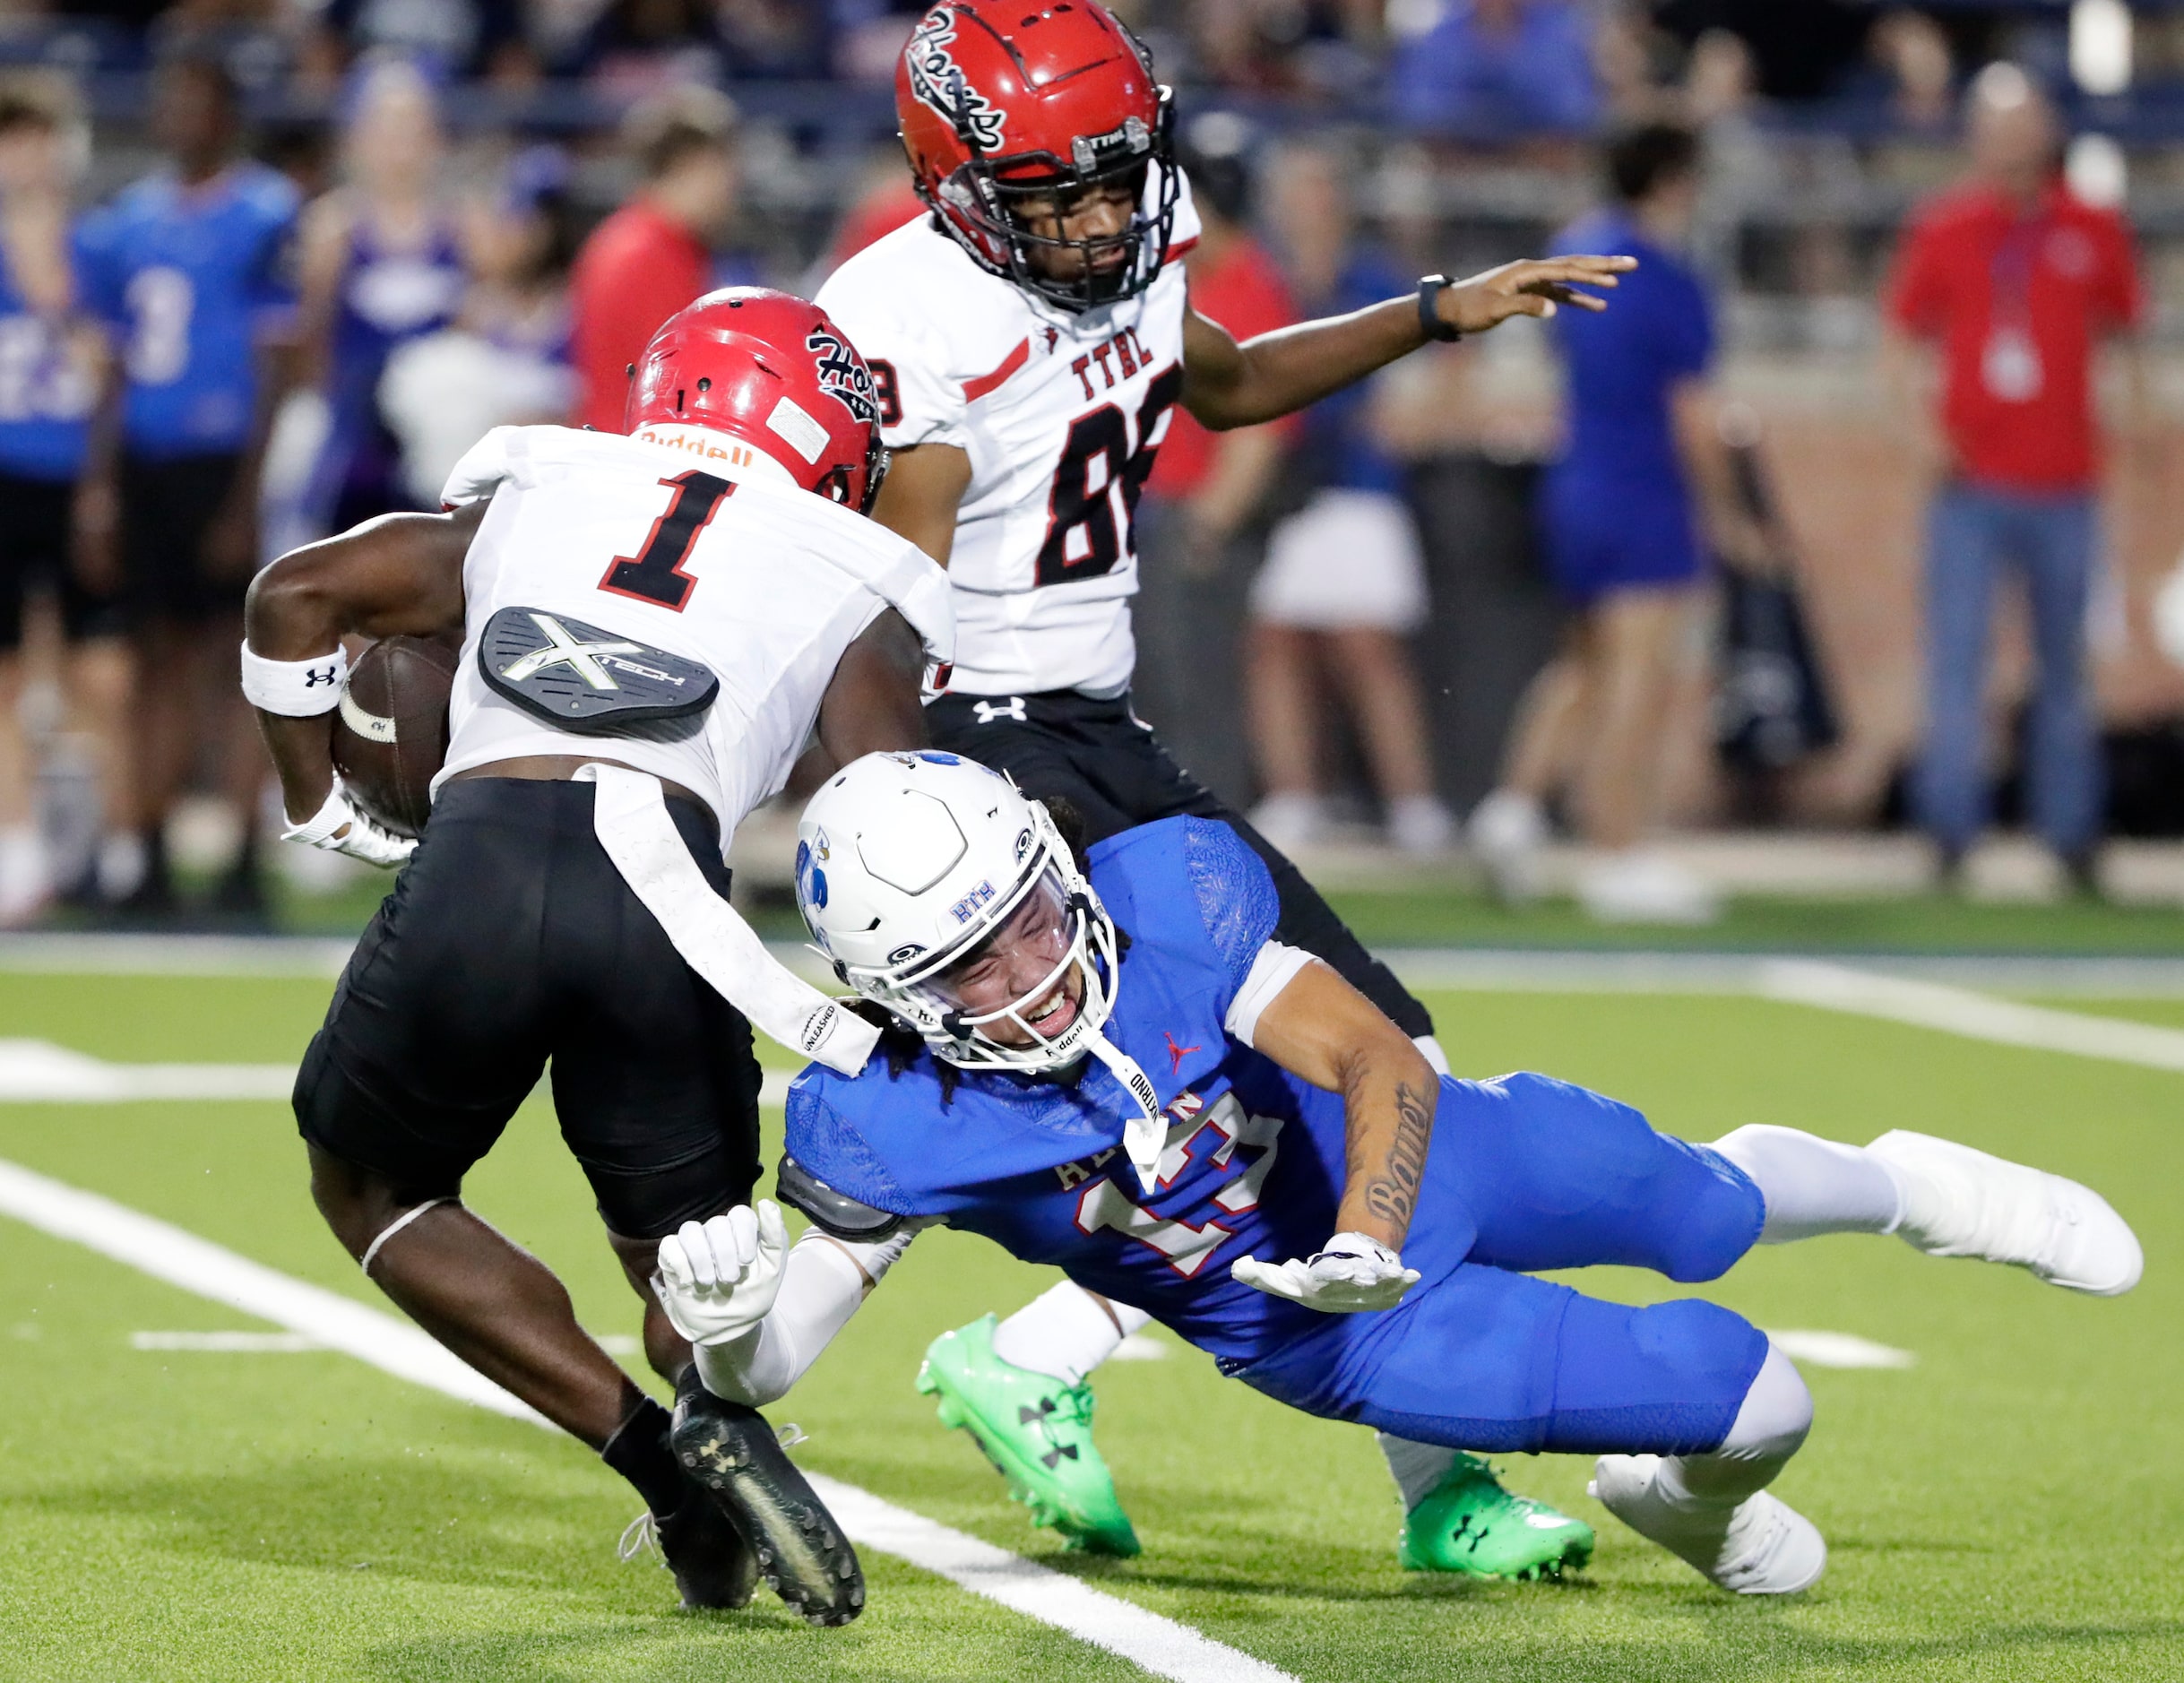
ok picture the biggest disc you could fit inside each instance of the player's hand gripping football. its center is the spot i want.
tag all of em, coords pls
(1354, 1274)
(718, 1278)
(1534, 286)
(340, 826)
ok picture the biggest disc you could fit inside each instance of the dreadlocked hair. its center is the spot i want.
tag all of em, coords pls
(901, 1046)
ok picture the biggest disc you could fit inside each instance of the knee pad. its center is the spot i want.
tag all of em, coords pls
(1775, 1415)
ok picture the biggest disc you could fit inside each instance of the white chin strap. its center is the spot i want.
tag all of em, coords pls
(1145, 1136)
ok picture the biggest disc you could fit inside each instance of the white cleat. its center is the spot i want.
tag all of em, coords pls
(1762, 1546)
(1958, 1202)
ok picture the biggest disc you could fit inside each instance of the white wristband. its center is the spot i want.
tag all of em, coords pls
(296, 689)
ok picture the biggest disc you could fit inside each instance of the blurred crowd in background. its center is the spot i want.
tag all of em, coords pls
(270, 266)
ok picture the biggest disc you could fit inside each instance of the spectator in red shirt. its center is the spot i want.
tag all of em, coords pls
(1200, 526)
(2015, 282)
(654, 255)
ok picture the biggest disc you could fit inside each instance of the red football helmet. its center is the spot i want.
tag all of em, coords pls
(1002, 100)
(769, 369)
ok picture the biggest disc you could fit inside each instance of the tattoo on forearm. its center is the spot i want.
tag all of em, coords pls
(1392, 1194)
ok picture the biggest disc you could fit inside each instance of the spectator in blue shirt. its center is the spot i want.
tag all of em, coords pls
(1493, 69)
(1628, 514)
(48, 381)
(190, 269)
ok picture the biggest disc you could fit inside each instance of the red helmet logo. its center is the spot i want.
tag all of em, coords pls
(1010, 116)
(773, 372)
(938, 81)
(842, 374)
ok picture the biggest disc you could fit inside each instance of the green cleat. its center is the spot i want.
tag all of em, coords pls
(1468, 1522)
(1037, 1432)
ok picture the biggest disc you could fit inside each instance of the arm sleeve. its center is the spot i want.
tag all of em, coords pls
(824, 1283)
(1236, 896)
(1273, 970)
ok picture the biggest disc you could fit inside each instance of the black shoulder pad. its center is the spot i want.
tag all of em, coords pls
(836, 1212)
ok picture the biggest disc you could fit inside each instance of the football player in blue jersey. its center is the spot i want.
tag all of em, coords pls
(1112, 1065)
(189, 269)
(48, 379)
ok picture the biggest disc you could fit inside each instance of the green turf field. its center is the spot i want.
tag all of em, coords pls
(2011, 1507)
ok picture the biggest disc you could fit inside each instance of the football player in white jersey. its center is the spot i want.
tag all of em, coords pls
(1030, 340)
(652, 626)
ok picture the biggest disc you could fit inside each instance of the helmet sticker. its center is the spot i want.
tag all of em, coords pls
(810, 880)
(792, 421)
(843, 376)
(903, 954)
(965, 909)
(1023, 844)
(938, 81)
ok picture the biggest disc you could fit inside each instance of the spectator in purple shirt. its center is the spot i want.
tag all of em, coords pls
(1486, 69)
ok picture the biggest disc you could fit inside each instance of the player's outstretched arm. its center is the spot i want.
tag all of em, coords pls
(756, 1312)
(1227, 384)
(400, 574)
(1322, 1030)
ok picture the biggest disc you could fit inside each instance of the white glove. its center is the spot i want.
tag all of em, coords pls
(1351, 1275)
(717, 1280)
(341, 827)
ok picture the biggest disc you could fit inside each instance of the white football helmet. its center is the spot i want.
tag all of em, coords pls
(905, 863)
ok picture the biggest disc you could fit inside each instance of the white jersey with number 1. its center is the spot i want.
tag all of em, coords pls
(1060, 415)
(686, 541)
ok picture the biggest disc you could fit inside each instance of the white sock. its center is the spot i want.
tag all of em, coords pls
(1435, 1056)
(1814, 1186)
(1417, 1467)
(24, 879)
(1065, 1331)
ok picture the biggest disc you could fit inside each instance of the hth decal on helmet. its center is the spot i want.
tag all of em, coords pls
(843, 375)
(939, 83)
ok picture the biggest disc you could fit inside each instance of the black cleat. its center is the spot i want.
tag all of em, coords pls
(713, 1565)
(801, 1551)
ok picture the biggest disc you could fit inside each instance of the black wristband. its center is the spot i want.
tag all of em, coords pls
(1430, 321)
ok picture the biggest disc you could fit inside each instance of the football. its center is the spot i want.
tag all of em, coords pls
(390, 734)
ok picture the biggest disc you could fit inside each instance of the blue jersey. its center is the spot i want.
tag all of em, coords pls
(1254, 1158)
(1623, 363)
(189, 277)
(47, 389)
(1615, 510)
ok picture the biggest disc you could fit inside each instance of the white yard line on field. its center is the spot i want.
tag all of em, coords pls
(1977, 1017)
(1158, 1644)
(1487, 969)
(38, 1072)
(196, 1265)
(1839, 1350)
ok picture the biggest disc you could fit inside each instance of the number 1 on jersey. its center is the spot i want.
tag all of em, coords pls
(655, 572)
